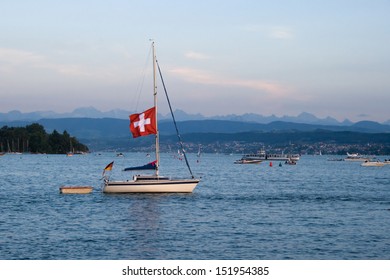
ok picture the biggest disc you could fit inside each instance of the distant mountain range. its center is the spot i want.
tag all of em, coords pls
(101, 132)
(90, 123)
(104, 128)
(91, 112)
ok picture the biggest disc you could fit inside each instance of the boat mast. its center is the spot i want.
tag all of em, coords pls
(155, 105)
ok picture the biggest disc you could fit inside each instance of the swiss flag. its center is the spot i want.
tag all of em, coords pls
(144, 123)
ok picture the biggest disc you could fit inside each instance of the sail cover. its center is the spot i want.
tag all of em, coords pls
(151, 166)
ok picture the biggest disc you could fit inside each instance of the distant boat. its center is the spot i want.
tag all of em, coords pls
(145, 124)
(247, 161)
(355, 157)
(71, 150)
(69, 154)
(10, 152)
(335, 159)
(290, 162)
(263, 156)
(373, 164)
(198, 154)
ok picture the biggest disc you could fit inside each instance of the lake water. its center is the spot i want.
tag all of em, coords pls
(318, 209)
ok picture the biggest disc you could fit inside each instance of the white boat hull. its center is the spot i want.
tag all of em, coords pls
(244, 161)
(152, 186)
(373, 163)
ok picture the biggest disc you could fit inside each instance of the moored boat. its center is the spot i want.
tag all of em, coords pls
(290, 162)
(263, 156)
(247, 161)
(373, 163)
(355, 157)
(144, 124)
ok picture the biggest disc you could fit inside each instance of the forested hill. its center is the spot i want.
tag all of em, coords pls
(34, 139)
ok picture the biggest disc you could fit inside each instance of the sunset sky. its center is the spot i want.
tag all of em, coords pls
(282, 57)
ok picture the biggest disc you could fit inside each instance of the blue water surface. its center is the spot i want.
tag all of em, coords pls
(318, 209)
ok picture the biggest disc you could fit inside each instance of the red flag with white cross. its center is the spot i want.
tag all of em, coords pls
(144, 123)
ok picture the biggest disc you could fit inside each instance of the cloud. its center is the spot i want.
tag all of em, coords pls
(17, 57)
(202, 77)
(272, 31)
(281, 32)
(196, 55)
(13, 61)
(364, 116)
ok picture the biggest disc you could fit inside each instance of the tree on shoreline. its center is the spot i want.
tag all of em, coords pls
(34, 139)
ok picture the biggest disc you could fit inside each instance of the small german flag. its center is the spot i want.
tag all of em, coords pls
(108, 167)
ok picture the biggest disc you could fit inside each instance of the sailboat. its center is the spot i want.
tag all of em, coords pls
(144, 124)
(71, 150)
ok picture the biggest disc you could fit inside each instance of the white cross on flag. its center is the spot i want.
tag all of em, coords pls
(144, 123)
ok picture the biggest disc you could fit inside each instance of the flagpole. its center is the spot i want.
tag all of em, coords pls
(156, 111)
